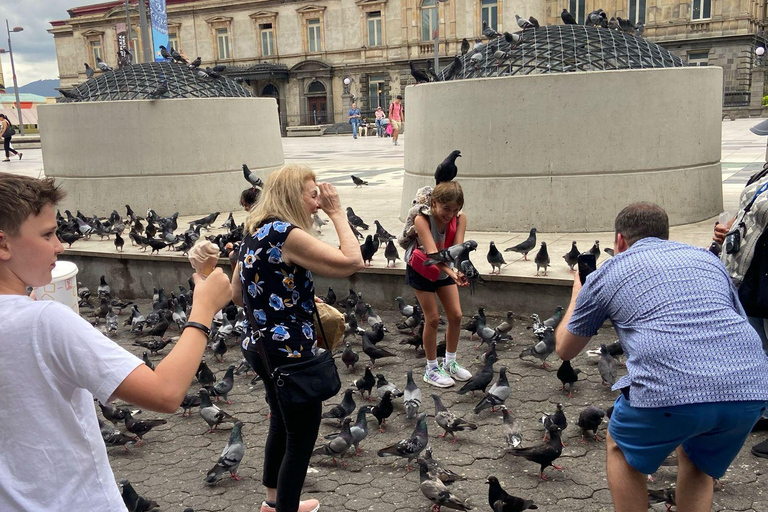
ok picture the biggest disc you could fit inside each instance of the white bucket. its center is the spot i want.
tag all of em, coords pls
(63, 286)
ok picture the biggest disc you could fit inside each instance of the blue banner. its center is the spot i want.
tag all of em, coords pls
(159, 20)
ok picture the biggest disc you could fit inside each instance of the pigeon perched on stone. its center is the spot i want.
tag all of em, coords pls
(140, 428)
(542, 259)
(495, 258)
(590, 419)
(544, 454)
(595, 250)
(417, 74)
(339, 445)
(447, 170)
(607, 366)
(391, 254)
(439, 471)
(497, 395)
(113, 436)
(480, 380)
(411, 397)
(383, 410)
(568, 376)
(525, 246)
(230, 458)
(436, 491)
(449, 422)
(134, 502)
(572, 257)
(382, 386)
(511, 429)
(508, 502)
(358, 181)
(409, 448)
(211, 413)
(342, 409)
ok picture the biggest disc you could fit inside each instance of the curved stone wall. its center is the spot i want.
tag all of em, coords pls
(566, 152)
(173, 155)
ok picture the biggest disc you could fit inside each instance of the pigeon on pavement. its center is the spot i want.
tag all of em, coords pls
(496, 259)
(568, 376)
(383, 410)
(606, 366)
(448, 421)
(225, 385)
(542, 259)
(411, 397)
(365, 383)
(436, 491)
(359, 430)
(211, 413)
(409, 448)
(382, 386)
(349, 357)
(343, 409)
(436, 469)
(497, 395)
(134, 502)
(140, 428)
(358, 181)
(526, 245)
(544, 454)
(511, 429)
(590, 419)
(572, 257)
(543, 348)
(339, 445)
(230, 458)
(480, 380)
(506, 502)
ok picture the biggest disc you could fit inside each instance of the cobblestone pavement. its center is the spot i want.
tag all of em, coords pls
(170, 465)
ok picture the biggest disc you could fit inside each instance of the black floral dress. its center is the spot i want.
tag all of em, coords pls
(280, 296)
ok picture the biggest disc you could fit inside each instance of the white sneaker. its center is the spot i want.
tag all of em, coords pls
(437, 377)
(457, 371)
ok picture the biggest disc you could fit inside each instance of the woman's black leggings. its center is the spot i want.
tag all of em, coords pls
(8, 148)
(291, 439)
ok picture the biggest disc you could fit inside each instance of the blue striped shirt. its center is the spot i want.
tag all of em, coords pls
(680, 323)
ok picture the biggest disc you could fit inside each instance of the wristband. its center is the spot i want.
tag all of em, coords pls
(198, 325)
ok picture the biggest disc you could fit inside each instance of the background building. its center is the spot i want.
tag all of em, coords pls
(301, 52)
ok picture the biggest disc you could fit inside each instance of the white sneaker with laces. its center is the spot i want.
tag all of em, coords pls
(437, 377)
(456, 371)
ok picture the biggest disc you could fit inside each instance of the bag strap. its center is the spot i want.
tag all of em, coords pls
(450, 232)
(320, 324)
(259, 347)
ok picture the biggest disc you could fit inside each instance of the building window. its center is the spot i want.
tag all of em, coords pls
(376, 95)
(267, 39)
(374, 28)
(313, 35)
(96, 52)
(701, 9)
(136, 48)
(489, 12)
(698, 58)
(222, 37)
(173, 40)
(428, 19)
(577, 9)
(636, 11)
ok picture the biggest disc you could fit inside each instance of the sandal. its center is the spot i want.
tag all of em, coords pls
(7, 160)
(21, 155)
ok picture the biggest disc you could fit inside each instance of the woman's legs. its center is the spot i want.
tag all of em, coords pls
(7, 147)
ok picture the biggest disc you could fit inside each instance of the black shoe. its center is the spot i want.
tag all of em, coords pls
(761, 449)
(761, 425)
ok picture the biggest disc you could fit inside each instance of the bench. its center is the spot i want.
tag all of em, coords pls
(304, 131)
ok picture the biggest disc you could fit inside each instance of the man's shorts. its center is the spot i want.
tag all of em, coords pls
(710, 433)
(395, 124)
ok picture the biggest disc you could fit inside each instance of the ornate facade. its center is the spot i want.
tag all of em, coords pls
(316, 56)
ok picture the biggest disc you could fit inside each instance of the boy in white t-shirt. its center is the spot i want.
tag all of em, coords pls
(54, 363)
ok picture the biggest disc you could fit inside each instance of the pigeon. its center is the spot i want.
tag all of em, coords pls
(568, 376)
(512, 39)
(391, 254)
(188, 403)
(349, 357)
(251, 177)
(225, 385)
(374, 320)
(508, 502)
(523, 23)
(204, 374)
(437, 470)
(454, 68)
(496, 259)
(160, 90)
(489, 354)
(486, 334)
(113, 436)
(553, 321)
(102, 65)
(383, 410)
(509, 426)
(608, 251)
(572, 257)
(373, 352)
(211, 413)
(525, 246)
(358, 181)
(365, 383)
(115, 414)
(409, 448)
(417, 74)
(405, 309)
(112, 321)
(596, 250)
(568, 19)
(436, 491)
(446, 170)
(339, 445)
(488, 32)
(533, 21)
(343, 409)
(134, 502)
(480, 380)
(471, 327)
(383, 233)
(506, 325)
(177, 57)
(382, 386)
(195, 63)
(455, 254)
(448, 421)
(355, 220)
(140, 428)
(330, 297)
(497, 395)
(606, 366)
(164, 53)
(145, 358)
(590, 419)
(464, 47)
(471, 274)
(119, 242)
(411, 397)
(544, 454)
(558, 419)
(542, 259)
(230, 458)
(594, 18)
(89, 72)
(154, 346)
(543, 348)
(666, 496)
(318, 222)
(103, 290)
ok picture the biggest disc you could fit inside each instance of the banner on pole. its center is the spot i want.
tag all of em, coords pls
(159, 21)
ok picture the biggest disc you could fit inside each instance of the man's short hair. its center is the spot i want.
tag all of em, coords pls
(642, 220)
(399, 97)
(22, 197)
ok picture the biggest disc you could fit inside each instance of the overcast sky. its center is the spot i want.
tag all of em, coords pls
(34, 53)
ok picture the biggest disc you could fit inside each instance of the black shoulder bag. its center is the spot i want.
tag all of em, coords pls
(310, 381)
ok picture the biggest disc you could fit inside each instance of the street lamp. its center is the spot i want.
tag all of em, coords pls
(13, 72)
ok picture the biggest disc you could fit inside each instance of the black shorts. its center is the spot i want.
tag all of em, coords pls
(421, 283)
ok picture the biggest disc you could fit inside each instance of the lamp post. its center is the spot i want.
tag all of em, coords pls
(13, 72)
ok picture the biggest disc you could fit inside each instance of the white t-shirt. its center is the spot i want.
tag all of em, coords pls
(52, 365)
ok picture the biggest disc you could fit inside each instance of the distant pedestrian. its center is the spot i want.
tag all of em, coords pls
(354, 119)
(396, 117)
(6, 132)
(381, 116)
